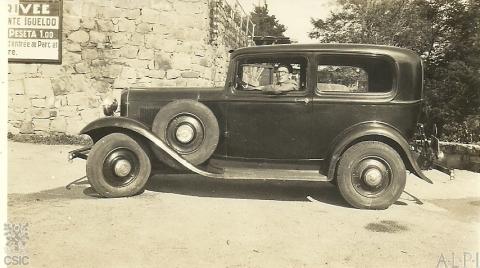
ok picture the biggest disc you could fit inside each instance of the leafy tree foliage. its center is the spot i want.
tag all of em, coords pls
(446, 33)
(265, 24)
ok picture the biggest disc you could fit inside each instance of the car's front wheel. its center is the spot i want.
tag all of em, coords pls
(371, 175)
(118, 166)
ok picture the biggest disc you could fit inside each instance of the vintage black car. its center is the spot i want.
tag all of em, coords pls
(322, 112)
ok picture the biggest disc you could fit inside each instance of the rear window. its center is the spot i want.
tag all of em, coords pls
(354, 74)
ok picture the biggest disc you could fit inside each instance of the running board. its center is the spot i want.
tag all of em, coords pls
(272, 174)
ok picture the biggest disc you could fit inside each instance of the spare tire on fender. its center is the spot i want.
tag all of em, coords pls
(190, 128)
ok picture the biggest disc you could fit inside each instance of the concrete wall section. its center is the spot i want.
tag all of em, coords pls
(461, 156)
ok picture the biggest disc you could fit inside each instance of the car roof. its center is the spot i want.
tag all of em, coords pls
(395, 52)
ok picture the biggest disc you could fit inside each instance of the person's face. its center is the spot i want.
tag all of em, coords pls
(282, 74)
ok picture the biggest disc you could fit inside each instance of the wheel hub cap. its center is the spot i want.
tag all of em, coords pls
(185, 133)
(122, 168)
(372, 177)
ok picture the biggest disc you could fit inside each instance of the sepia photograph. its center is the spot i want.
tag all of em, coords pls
(240, 133)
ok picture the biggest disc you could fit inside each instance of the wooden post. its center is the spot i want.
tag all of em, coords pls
(241, 23)
(247, 29)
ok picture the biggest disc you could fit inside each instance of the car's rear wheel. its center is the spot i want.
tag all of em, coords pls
(190, 128)
(118, 166)
(371, 175)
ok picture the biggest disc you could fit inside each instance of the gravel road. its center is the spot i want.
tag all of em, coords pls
(190, 221)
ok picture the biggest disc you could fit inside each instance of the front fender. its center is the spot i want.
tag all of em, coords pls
(104, 126)
(97, 128)
(374, 131)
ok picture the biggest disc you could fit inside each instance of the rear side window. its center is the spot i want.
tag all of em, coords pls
(354, 74)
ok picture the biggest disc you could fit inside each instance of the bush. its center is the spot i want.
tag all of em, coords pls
(463, 132)
(61, 139)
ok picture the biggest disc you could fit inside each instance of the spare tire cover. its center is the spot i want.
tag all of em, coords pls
(190, 128)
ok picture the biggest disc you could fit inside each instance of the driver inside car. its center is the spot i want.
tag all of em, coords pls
(284, 81)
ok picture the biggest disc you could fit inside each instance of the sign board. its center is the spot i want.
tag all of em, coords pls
(35, 31)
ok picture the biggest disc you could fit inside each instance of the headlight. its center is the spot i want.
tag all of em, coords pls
(110, 105)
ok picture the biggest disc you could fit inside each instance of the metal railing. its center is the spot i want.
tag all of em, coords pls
(236, 22)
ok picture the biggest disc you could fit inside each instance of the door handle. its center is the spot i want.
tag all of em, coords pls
(305, 100)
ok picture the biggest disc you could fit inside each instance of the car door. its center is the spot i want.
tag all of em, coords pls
(351, 89)
(268, 126)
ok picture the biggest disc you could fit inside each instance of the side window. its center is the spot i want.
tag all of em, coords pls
(271, 74)
(342, 79)
(355, 74)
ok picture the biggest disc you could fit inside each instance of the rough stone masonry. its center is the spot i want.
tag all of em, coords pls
(108, 45)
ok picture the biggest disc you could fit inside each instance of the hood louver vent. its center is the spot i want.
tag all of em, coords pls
(147, 114)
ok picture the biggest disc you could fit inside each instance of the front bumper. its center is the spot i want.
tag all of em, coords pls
(79, 153)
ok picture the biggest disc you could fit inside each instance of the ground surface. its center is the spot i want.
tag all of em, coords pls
(190, 221)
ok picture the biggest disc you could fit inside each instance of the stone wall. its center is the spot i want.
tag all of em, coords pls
(109, 45)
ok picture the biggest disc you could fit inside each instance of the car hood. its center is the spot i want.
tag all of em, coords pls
(172, 93)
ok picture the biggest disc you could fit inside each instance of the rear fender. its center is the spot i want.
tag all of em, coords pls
(374, 131)
(107, 125)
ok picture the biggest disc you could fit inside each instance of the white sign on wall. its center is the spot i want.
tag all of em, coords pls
(35, 31)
